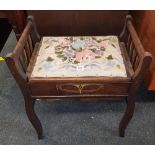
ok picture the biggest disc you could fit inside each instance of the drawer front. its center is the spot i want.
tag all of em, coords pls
(71, 88)
(91, 88)
(56, 89)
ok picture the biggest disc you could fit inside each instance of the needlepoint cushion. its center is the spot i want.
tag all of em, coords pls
(79, 57)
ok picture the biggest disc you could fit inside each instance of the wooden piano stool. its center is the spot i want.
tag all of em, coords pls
(108, 67)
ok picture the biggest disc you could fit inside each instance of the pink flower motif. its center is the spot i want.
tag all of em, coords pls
(65, 43)
(90, 43)
(85, 56)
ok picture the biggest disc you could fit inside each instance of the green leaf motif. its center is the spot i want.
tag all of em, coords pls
(105, 39)
(71, 39)
(65, 47)
(78, 50)
(94, 38)
(39, 68)
(49, 59)
(113, 45)
(58, 49)
(97, 57)
(100, 40)
(64, 58)
(93, 49)
(110, 57)
(67, 38)
(102, 48)
(118, 66)
(47, 46)
(60, 56)
(55, 40)
(76, 62)
(58, 52)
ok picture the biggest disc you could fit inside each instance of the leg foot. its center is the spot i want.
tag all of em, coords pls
(127, 116)
(29, 106)
(40, 137)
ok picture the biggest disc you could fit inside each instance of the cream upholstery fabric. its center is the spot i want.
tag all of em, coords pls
(79, 56)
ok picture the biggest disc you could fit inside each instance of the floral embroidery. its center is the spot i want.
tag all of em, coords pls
(79, 56)
(85, 56)
(81, 50)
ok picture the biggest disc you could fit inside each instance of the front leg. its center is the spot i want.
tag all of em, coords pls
(127, 116)
(29, 106)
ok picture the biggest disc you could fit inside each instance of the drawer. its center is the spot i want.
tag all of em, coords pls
(56, 89)
(91, 88)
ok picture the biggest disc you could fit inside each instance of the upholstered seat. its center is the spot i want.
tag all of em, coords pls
(79, 56)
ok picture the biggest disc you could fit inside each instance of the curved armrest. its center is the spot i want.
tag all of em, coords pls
(139, 58)
(19, 59)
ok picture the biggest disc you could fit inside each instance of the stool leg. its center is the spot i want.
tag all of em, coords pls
(29, 106)
(127, 116)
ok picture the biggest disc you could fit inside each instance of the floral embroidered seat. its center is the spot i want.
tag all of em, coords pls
(79, 56)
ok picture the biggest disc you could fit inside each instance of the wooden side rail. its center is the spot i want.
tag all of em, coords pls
(22, 53)
(139, 58)
(19, 59)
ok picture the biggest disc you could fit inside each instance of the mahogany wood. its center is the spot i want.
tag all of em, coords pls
(76, 22)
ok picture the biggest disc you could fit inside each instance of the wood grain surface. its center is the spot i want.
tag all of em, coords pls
(79, 22)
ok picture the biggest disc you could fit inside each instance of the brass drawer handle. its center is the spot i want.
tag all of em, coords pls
(79, 87)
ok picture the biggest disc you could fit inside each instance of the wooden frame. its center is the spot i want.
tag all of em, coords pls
(22, 59)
